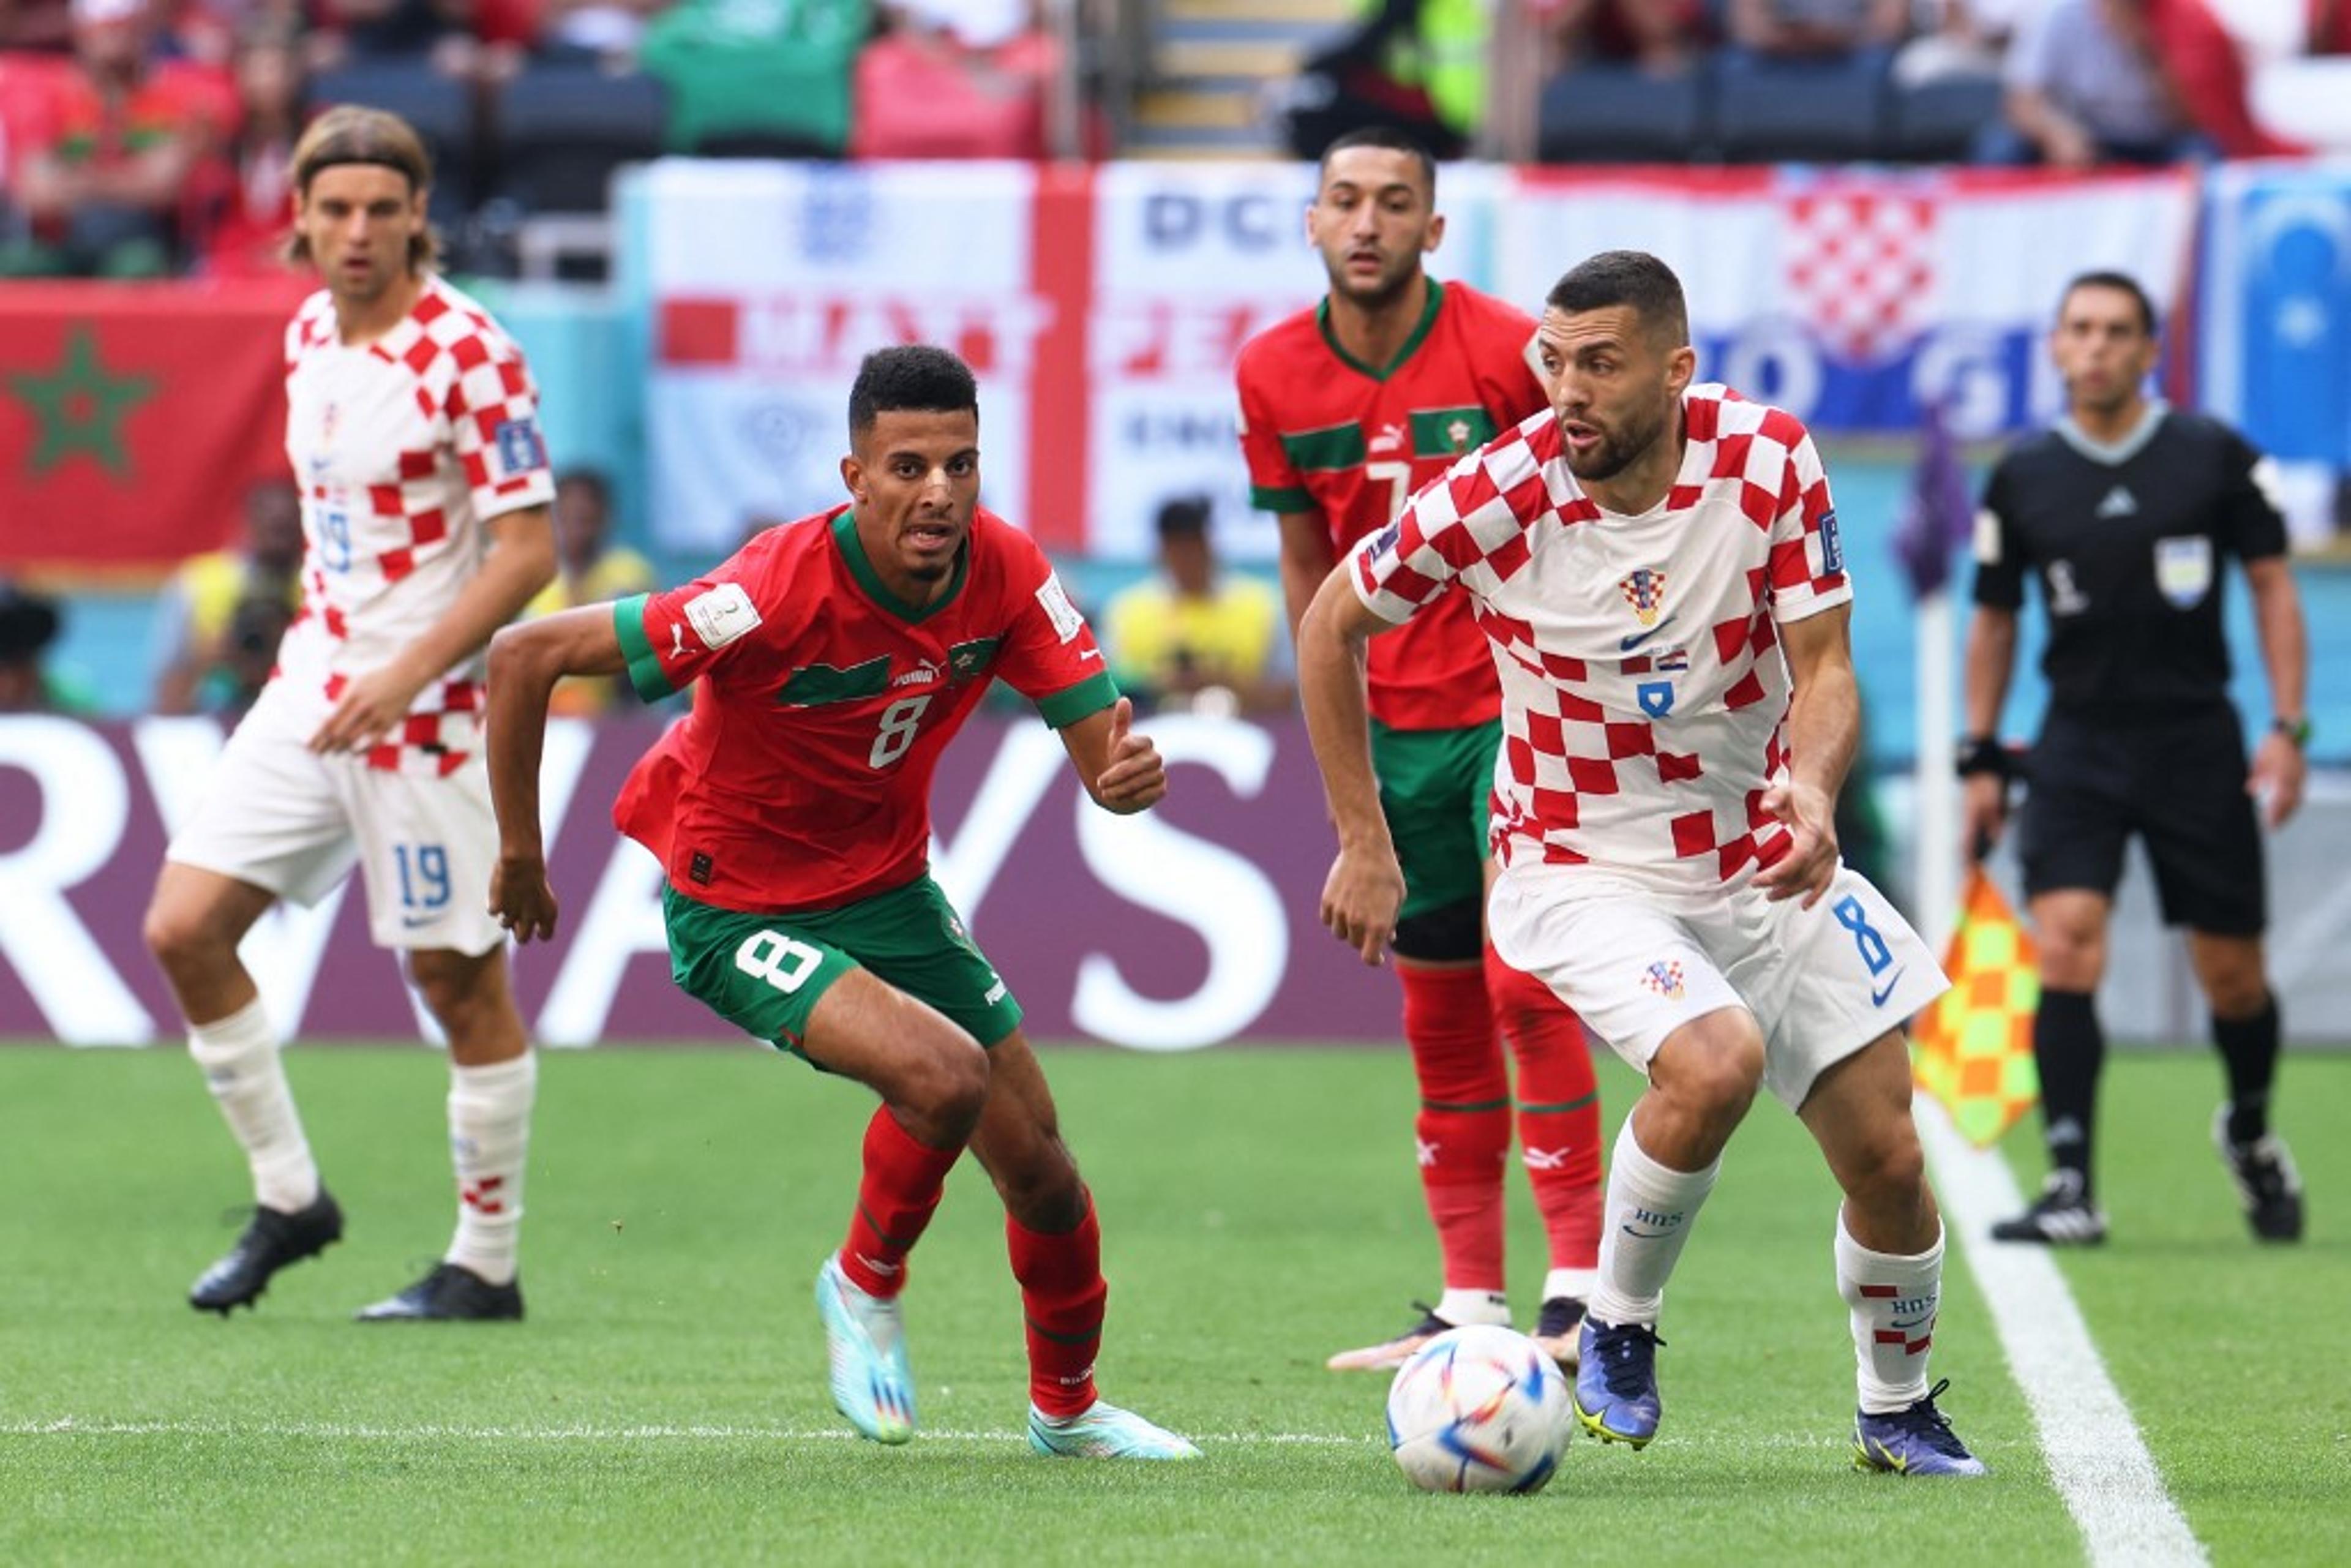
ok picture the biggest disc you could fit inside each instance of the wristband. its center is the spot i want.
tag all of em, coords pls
(2294, 729)
(1984, 753)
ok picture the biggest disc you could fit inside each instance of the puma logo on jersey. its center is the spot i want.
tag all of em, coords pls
(1389, 439)
(677, 639)
(2119, 503)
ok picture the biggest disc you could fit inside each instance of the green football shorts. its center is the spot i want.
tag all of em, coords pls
(1436, 789)
(763, 973)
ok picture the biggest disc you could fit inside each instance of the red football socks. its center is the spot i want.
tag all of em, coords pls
(1062, 1294)
(1464, 1125)
(901, 1189)
(1558, 1111)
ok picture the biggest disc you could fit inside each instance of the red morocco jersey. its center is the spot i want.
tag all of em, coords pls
(1324, 431)
(1643, 689)
(802, 778)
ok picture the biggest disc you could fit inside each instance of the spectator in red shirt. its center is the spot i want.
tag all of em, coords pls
(253, 207)
(108, 176)
(1661, 35)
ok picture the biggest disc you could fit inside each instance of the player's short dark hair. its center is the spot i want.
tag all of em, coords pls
(1387, 138)
(2121, 283)
(1184, 518)
(918, 376)
(350, 133)
(1632, 277)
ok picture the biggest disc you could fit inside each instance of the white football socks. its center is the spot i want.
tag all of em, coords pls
(489, 1131)
(1649, 1213)
(239, 1057)
(1894, 1301)
(1462, 1308)
(1573, 1284)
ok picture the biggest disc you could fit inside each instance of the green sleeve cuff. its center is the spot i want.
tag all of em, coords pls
(645, 672)
(1267, 498)
(1071, 703)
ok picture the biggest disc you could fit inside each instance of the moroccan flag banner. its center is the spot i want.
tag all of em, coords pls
(1973, 1049)
(132, 416)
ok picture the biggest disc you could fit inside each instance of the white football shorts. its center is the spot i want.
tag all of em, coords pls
(1637, 961)
(278, 816)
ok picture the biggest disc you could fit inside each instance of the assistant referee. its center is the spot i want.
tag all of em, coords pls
(2127, 513)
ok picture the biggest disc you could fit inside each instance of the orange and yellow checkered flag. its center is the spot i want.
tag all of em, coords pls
(1973, 1049)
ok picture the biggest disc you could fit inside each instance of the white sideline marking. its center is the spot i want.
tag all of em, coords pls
(2096, 1457)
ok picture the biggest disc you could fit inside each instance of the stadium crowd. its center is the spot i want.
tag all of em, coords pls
(145, 138)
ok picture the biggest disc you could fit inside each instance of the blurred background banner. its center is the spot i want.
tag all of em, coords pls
(2275, 309)
(768, 282)
(1102, 307)
(119, 404)
(1855, 298)
(1166, 931)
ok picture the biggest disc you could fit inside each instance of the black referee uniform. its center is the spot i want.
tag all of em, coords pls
(2130, 545)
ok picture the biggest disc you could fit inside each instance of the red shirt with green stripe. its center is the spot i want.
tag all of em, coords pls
(802, 778)
(1325, 432)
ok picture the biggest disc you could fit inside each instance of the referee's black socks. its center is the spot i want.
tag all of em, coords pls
(2068, 1047)
(2249, 1047)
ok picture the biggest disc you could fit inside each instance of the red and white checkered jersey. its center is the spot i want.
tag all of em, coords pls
(1643, 690)
(403, 448)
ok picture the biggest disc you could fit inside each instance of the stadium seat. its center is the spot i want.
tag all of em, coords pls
(563, 129)
(1937, 121)
(1774, 110)
(440, 109)
(1615, 114)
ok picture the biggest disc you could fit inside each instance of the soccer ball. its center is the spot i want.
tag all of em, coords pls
(1479, 1409)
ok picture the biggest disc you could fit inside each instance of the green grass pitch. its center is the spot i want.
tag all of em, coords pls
(666, 1401)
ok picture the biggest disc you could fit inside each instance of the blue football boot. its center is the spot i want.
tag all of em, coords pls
(1616, 1380)
(1914, 1441)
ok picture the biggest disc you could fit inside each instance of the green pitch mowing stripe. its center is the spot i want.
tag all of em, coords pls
(665, 1402)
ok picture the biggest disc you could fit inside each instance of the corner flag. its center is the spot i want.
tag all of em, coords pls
(1973, 1049)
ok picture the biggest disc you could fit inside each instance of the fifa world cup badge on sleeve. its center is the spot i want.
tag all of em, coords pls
(519, 447)
(1832, 545)
(1058, 608)
(721, 615)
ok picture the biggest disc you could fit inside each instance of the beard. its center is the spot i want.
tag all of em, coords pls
(1378, 295)
(1619, 448)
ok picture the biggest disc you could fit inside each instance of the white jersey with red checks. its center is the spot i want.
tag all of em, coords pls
(1643, 690)
(403, 448)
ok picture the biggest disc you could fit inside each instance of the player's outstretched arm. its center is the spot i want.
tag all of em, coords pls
(1365, 887)
(526, 661)
(521, 561)
(1121, 770)
(1824, 728)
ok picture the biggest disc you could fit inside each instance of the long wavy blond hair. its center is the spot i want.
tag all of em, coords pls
(352, 133)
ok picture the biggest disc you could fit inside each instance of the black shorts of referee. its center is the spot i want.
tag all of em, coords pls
(2177, 781)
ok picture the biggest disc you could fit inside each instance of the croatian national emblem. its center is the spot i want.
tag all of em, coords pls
(1645, 590)
(1665, 977)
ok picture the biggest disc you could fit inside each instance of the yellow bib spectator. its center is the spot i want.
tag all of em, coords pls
(1196, 636)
